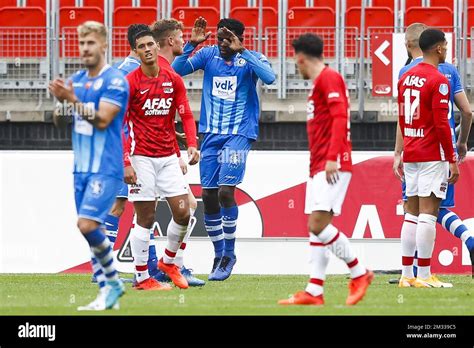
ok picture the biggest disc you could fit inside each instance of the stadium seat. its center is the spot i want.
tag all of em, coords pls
(149, 3)
(210, 3)
(69, 19)
(266, 3)
(188, 15)
(36, 3)
(180, 3)
(7, 3)
(298, 3)
(384, 3)
(413, 3)
(249, 16)
(71, 3)
(442, 3)
(377, 19)
(319, 20)
(325, 3)
(431, 16)
(25, 36)
(125, 16)
(123, 3)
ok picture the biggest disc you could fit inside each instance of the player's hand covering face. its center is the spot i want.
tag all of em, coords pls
(198, 34)
(147, 50)
(91, 49)
(229, 43)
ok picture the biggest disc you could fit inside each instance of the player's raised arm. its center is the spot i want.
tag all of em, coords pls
(184, 65)
(260, 65)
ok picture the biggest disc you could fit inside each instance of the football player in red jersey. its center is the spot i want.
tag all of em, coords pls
(153, 166)
(423, 99)
(330, 173)
(168, 33)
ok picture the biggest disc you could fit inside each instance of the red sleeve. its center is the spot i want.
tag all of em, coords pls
(184, 111)
(126, 151)
(125, 141)
(440, 106)
(335, 93)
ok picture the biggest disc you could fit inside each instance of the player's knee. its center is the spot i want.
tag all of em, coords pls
(211, 201)
(86, 226)
(316, 225)
(226, 196)
(146, 220)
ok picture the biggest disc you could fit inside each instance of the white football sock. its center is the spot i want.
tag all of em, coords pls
(140, 242)
(425, 240)
(319, 261)
(408, 241)
(175, 235)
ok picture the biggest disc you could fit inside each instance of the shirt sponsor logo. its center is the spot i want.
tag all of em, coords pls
(157, 106)
(224, 87)
(414, 81)
(97, 84)
(168, 90)
(444, 101)
(143, 92)
(333, 95)
(240, 62)
(443, 89)
(167, 84)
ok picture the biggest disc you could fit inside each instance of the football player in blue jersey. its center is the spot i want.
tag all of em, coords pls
(229, 124)
(97, 98)
(447, 218)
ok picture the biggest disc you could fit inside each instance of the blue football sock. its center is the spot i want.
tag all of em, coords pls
(213, 223)
(102, 250)
(229, 225)
(152, 248)
(98, 273)
(111, 228)
(453, 224)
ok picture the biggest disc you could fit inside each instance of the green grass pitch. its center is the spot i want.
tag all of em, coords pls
(29, 294)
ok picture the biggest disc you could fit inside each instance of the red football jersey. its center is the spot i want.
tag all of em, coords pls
(328, 123)
(423, 101)
(152, 108)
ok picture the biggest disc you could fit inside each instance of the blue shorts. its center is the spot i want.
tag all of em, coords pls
(223, 160)
(95, 194)
(448, 202)
(123, 191)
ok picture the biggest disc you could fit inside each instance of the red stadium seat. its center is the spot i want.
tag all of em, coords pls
(325, 3)
(353, 3)
(412, 3)
(23, 33)
(210, 3)
(188, 15)
(384, 3)
(431, 16)
(149, 3)
(470, 25)
(300, 20)
(69, 19)
(266, 3)
(311, 17)
(125, 16)
(376, 19)
(123, 3)
(8, 3)
(442, 3)
(297, 3)
(180, 3)
(249, 16)
(36, 3)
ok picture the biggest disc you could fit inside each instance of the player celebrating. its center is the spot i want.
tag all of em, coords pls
(153, 167)
(99, 97)
(168, 34)
(330, 173)
(229, 122)
(423, 98)
(448, 219)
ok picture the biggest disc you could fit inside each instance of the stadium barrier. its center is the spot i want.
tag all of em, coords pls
(38, 232)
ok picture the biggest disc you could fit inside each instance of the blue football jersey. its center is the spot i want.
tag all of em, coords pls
(95, 150)
(127, 65)
(230, 104)
(454, 79)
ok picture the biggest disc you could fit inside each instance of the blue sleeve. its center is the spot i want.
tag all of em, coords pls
(261, 66)
(457, 86)
(116, 91)
(184, 65)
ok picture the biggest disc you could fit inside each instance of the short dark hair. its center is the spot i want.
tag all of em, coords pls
(431, 37)
(133, 30)
(309, 44)
(234, 25)
(164, 27)
(141, 34)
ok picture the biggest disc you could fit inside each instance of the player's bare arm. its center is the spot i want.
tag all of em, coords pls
(199, 34)
(397, 156)
(461, 101)
(231, 40)
(331, 172)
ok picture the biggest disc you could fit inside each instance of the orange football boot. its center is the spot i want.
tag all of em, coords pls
(152, 284)
(358, 288)
(303, 298)
(174, 273)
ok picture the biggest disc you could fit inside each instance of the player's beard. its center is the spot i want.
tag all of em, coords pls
(91, 61)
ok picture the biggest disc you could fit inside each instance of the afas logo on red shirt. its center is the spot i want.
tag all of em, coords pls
(157, 106)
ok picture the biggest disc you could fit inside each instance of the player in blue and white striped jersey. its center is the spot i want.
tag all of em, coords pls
(229, 122)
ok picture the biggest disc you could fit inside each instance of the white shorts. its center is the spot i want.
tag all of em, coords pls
(321, 196)
(424, 178)
(156, 177)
